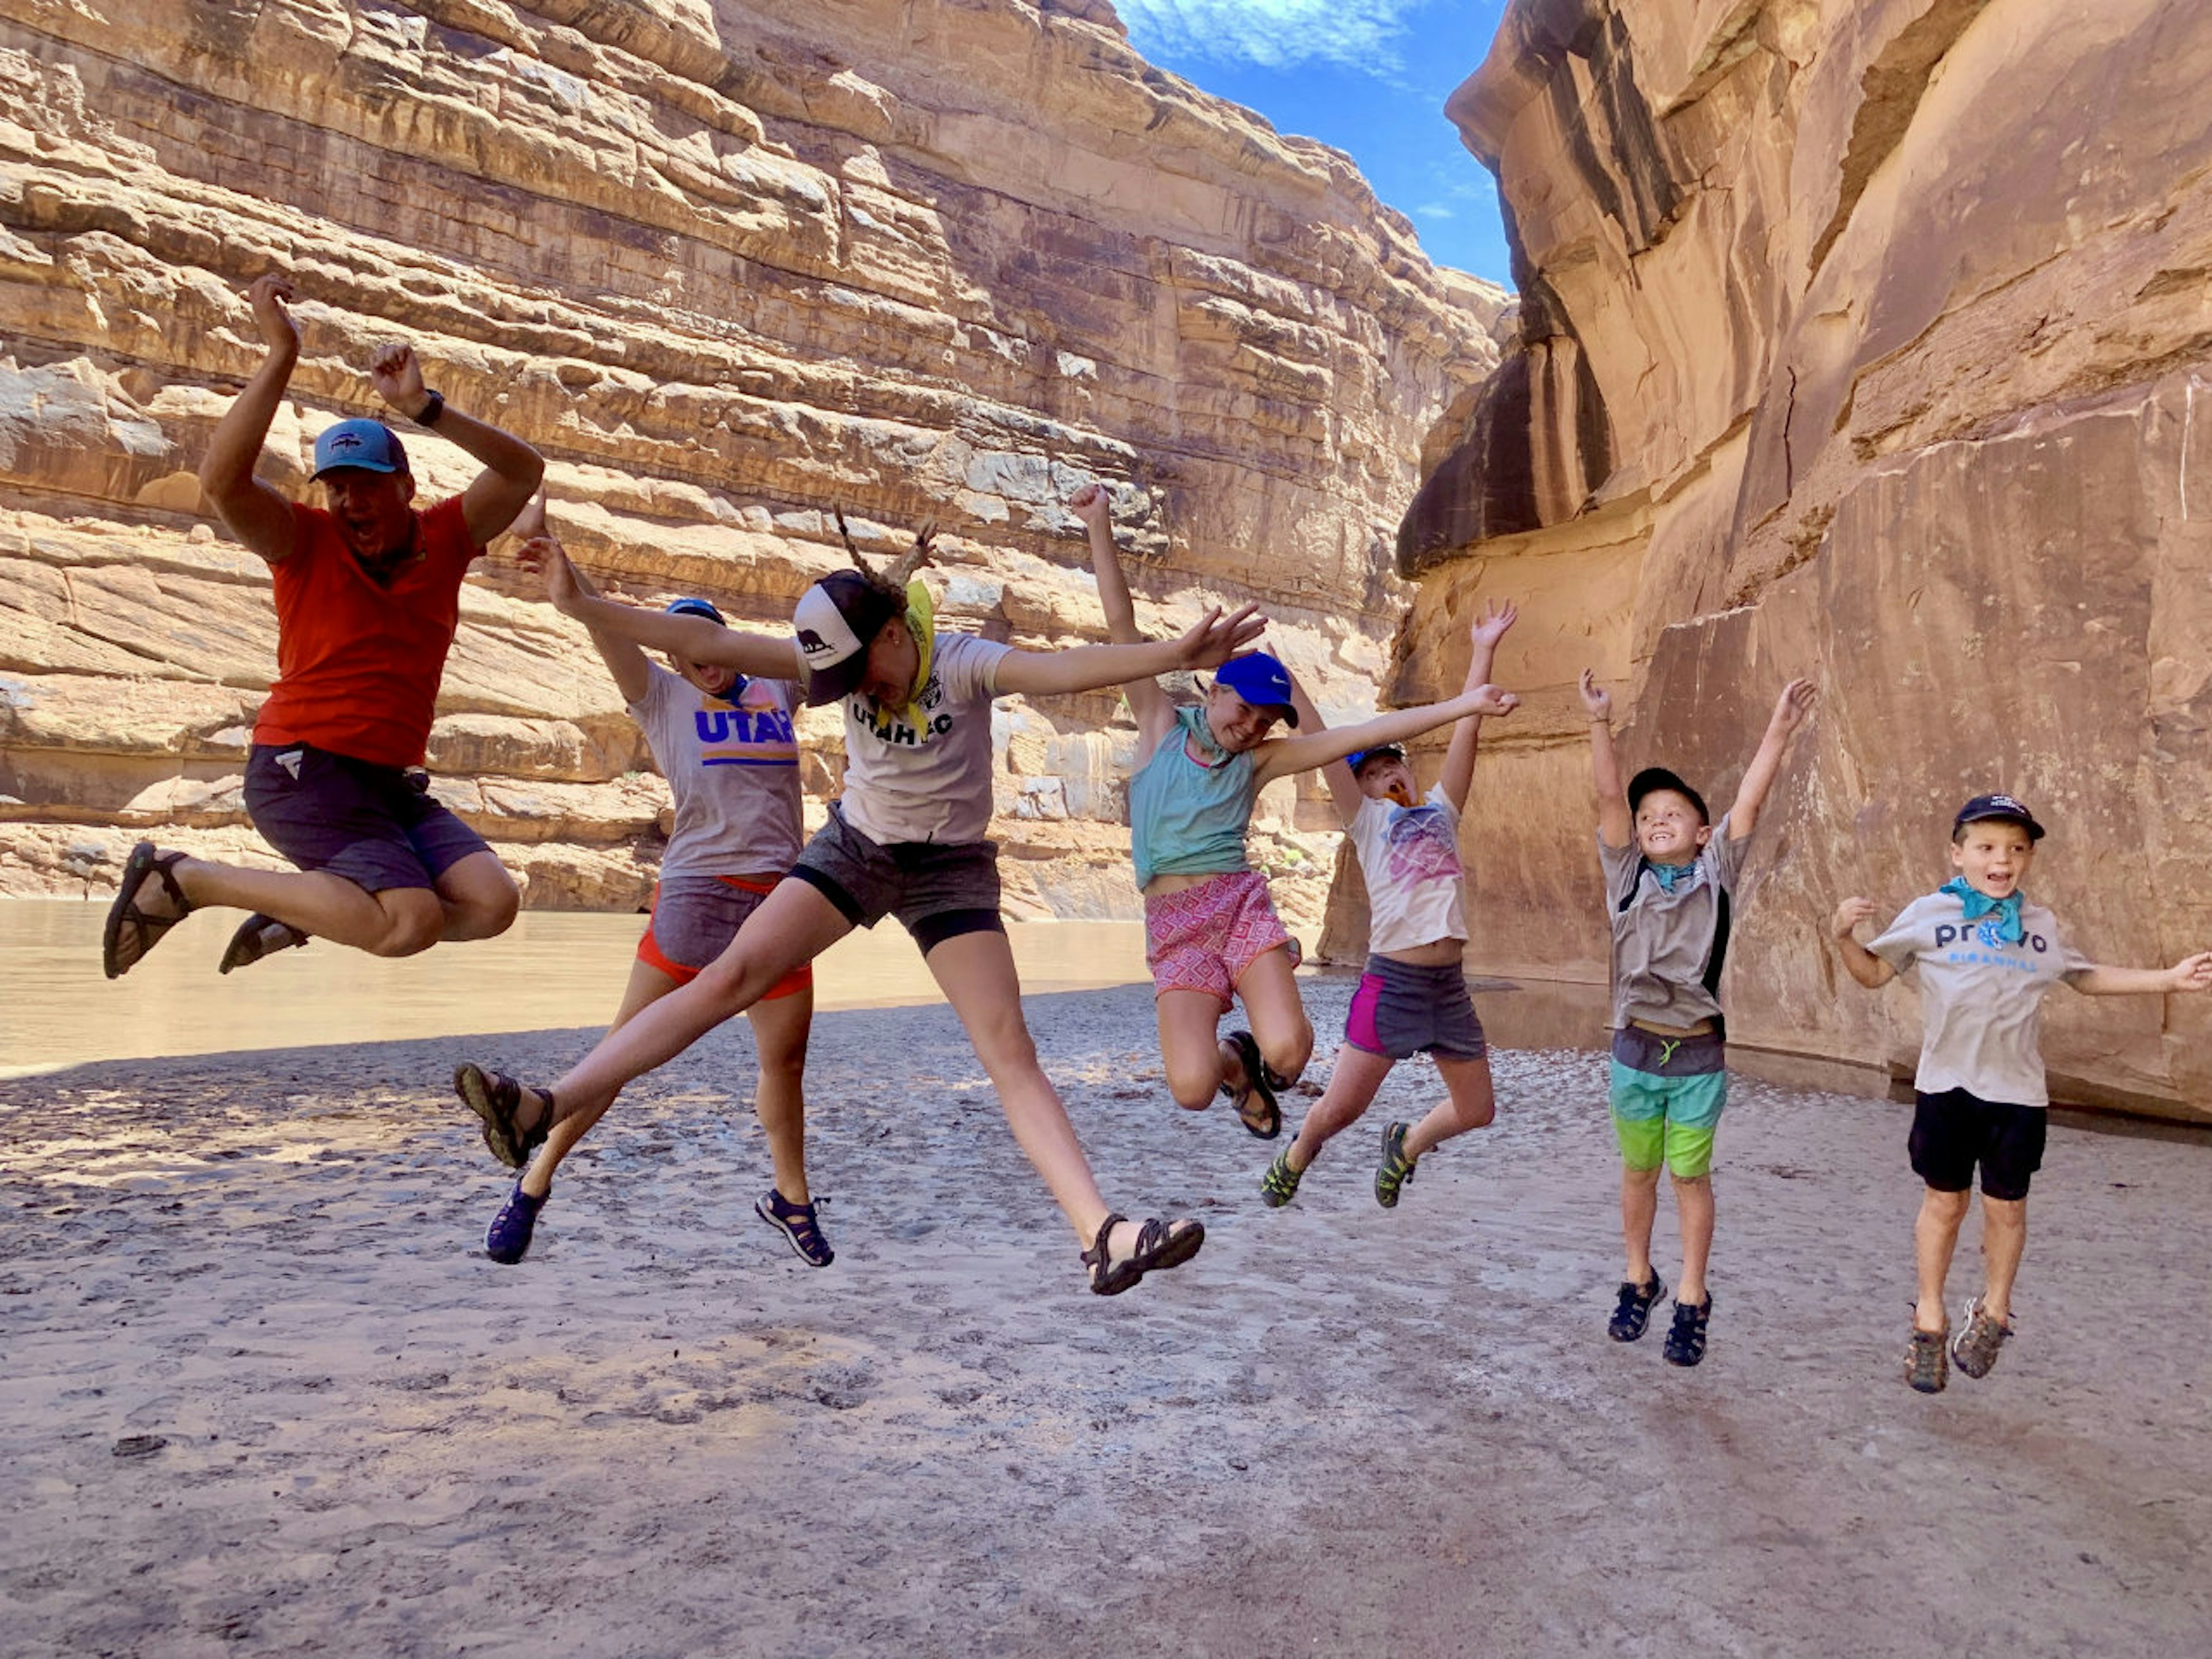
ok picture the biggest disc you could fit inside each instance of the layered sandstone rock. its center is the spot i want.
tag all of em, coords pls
(1865, 340)
(725, 266)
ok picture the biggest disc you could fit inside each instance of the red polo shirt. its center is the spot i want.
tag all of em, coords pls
(357, 665)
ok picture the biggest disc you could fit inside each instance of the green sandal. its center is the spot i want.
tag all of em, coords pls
(1395, 1170)
(1280, 1184)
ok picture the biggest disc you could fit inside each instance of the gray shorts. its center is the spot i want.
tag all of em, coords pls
(938, 890)
(1399, 1010)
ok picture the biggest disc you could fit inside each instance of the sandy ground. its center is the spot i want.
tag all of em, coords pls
(261, 1395)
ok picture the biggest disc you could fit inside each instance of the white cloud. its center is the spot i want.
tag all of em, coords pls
(1273, 34)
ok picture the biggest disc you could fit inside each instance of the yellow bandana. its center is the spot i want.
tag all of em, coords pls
(921, 623)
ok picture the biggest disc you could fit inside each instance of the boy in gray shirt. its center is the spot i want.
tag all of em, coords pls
(1669, 881)
(1985, 957)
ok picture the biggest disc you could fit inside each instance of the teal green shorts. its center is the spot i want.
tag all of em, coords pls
(1667, 1100)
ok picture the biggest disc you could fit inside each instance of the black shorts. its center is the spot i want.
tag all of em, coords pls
(376, 825)
(938, 890)
(1953, 1131)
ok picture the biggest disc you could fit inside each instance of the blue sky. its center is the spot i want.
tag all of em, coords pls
(1369, 76)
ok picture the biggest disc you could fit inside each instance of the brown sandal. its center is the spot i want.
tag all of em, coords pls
(497, 1099)
(1160, 1245)
(145, 860)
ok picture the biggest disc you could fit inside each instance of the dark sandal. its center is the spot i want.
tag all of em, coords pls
(145, 860)
(1257, 1081)
(497, 1098)
(1160, 1245)
(257, 937)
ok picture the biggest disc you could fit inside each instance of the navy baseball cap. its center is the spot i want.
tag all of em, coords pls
(364, 446)
(1985, 808)
(837, 620)
(1260, 681)
(1359, 757)
(1653, 778)
(690, 607)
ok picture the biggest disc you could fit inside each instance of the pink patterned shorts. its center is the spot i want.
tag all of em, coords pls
(1203, 938)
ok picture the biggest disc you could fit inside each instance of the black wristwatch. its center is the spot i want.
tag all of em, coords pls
(432, 410)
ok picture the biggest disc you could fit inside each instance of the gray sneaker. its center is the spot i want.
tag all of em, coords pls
(1974, 1350)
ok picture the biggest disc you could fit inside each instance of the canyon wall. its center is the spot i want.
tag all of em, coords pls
(1863, 341)
(725, 266)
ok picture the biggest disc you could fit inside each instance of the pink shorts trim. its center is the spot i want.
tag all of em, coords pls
(1203, 938)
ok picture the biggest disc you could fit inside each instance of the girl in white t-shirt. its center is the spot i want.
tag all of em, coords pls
(906, 839)
(1412, 997)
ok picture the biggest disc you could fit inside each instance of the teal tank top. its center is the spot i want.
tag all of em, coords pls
(1186, 820)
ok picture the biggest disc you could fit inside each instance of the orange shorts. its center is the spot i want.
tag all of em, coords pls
(702, 915)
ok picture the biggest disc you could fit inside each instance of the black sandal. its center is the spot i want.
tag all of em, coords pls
(257, 937)
(145, 860)
(1160, 1245)
(497, 1098)
(1257, 1081)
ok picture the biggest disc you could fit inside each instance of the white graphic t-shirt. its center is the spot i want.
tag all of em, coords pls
(732, 764)
(1981, 995)
(929, 781)
(1410, 857)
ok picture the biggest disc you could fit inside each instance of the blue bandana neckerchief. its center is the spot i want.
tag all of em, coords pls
(1978, 904)
(1669, 874)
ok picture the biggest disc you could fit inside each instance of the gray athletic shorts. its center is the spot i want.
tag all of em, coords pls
(1399, 1010)
(937, 890)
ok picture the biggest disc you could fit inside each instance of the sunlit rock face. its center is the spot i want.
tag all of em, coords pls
(1868, 342)
(727, 266)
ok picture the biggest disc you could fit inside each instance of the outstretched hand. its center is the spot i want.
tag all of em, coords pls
(1490, 627)
(545, 557)
(1597, 701)
(1794, 703)
(1495, 700)
(1093, 506)
(398, 377)
(1214, 638)
(1849, 914)
(269, 295)
(2193, 973)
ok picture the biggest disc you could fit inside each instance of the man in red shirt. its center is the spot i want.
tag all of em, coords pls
(368, 593)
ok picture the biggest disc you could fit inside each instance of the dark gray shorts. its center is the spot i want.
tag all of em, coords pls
(376, 825)
(937, 890)
(1399, 1010)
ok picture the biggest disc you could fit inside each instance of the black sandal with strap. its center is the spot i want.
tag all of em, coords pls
(145, 860)
(1258, 1080)
(257, 937)
(497, 1099)
(1160, 1245)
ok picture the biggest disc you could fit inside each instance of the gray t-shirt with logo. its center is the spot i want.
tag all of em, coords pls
(1667, 946)
(1981, 996)
(927, 780)
(732, 764)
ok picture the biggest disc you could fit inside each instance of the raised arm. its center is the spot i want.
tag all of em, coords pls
(1281, 756)
(512, 469)
(1860, 963)
(1790, 710)
(1616, 825)
(565, 586)
(1459, 759)
(2190, 973)
(1343, 788)
(759, 655)
(256, 514)
(1209, 643)
(1147, 702)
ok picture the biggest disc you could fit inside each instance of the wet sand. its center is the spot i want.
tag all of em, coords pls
(262, 1396)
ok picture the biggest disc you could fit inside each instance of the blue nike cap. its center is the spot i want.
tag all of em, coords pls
(363, 445)
(690, 607)
(1260, 681)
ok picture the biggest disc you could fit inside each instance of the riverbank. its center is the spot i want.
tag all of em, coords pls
(264, 1397)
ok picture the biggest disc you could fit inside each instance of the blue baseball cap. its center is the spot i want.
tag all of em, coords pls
(1260, 681)
(360, 444)
(2006, 809)
(1359, 757)
(690, 607)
